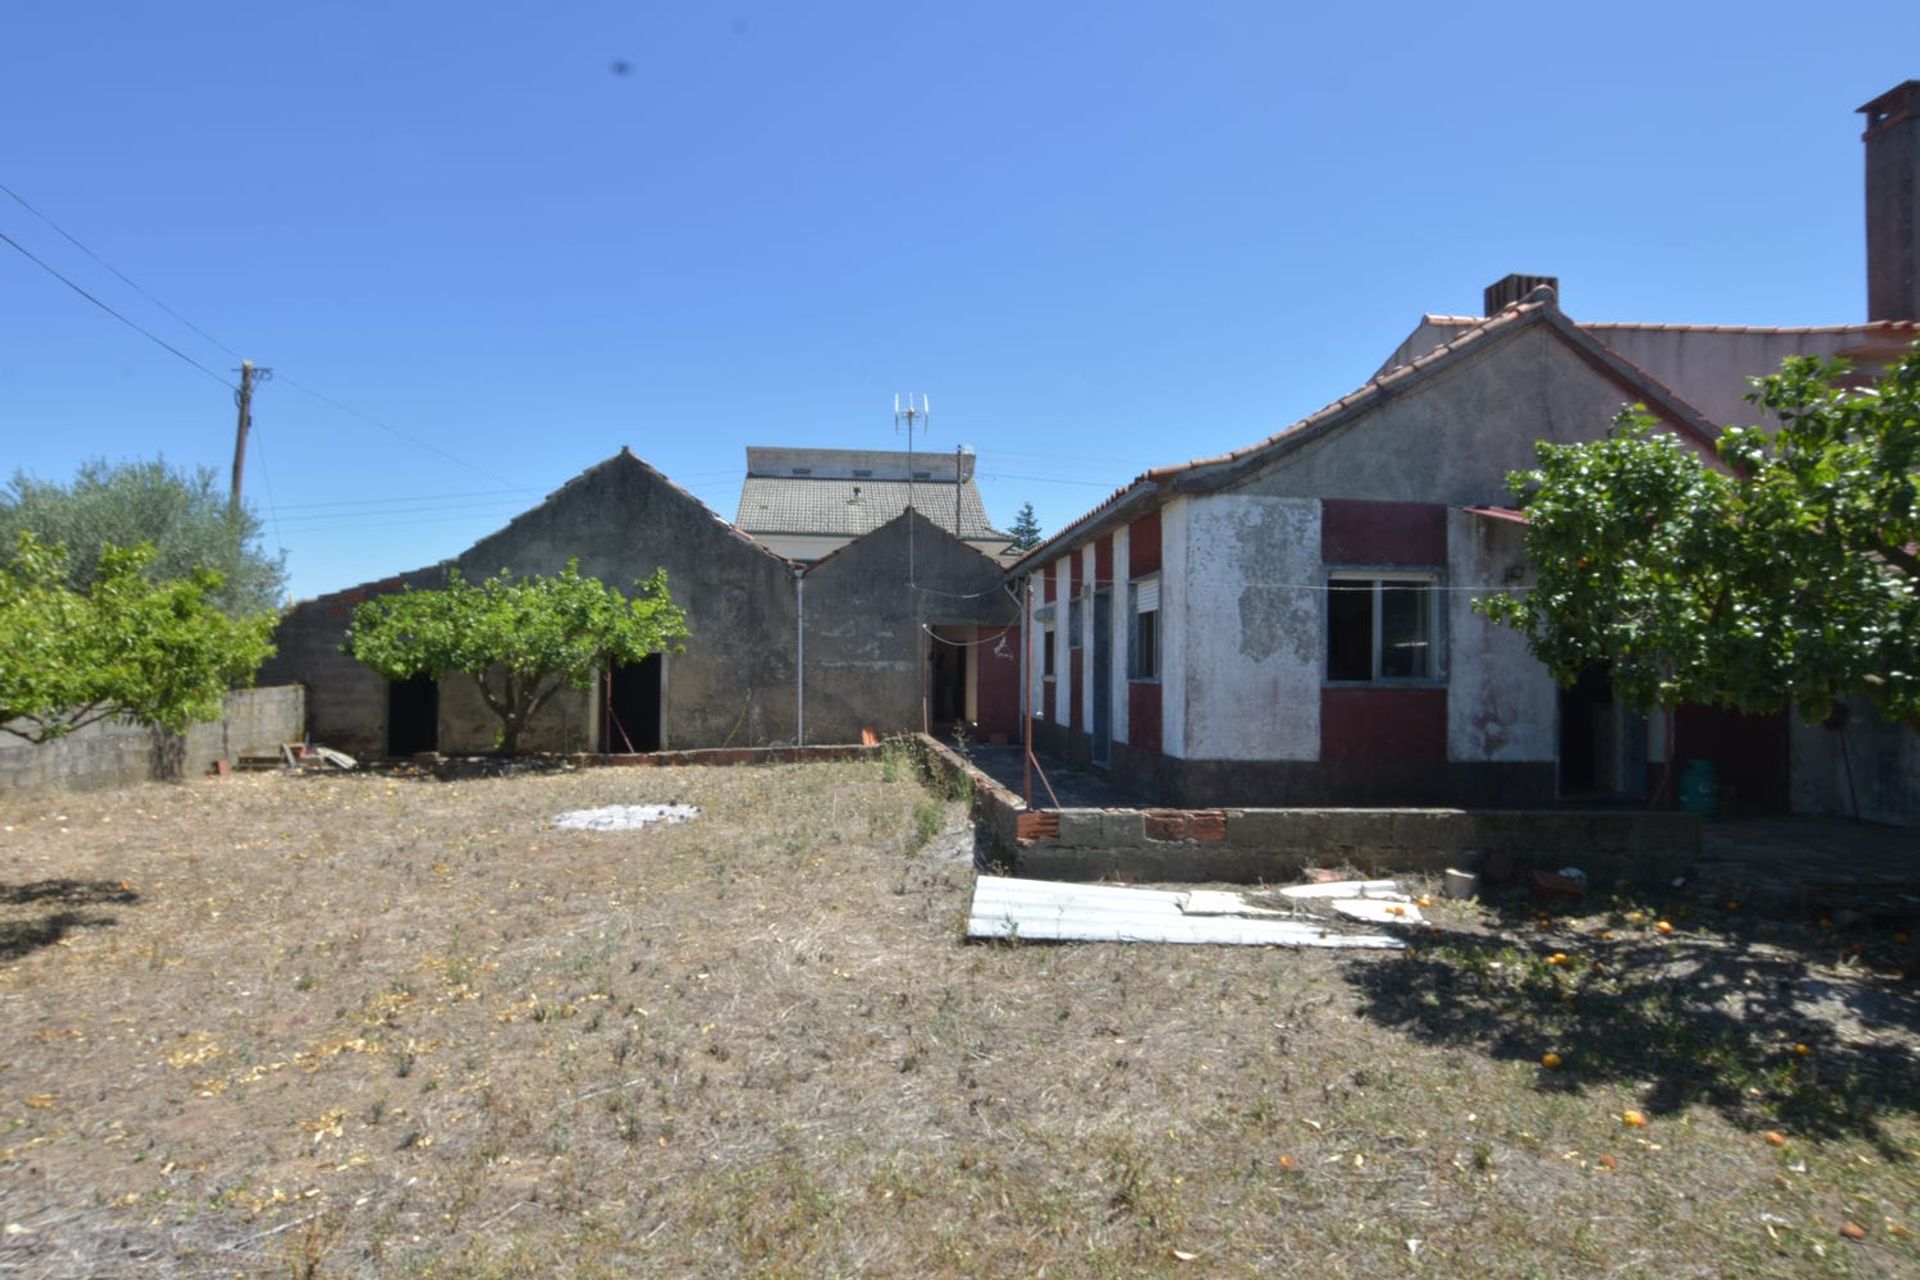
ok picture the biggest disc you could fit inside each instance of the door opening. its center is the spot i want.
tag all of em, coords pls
(1102, 677)
(413, 716)
(1603, 746)
(947, 650)
(630, 708)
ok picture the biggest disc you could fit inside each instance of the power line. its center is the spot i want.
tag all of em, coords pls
(396, 432)
(31, 257)
(22, 202)
(325, 399)
(411, 499)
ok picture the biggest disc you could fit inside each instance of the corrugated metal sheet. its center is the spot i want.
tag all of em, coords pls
(1007, 908)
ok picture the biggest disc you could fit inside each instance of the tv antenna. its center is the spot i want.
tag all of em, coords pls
(910, 420)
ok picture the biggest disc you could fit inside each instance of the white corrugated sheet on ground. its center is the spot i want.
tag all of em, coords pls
(1046, 911)
(1347, 889)
(625, 817)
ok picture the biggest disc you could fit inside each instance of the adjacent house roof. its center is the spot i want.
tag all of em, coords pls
(850, 492)
(1206, 474)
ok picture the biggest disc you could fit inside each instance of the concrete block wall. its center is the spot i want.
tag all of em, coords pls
(107, 755)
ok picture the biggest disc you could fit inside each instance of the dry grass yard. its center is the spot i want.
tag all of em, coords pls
(359, 1025)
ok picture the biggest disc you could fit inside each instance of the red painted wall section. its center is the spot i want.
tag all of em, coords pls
(1103, 561)
(1047, 581)
(1413, 533)
(1143, 545)
(1401, 725)
(1750, 755)
(1046, 700)
(1143, 716)
(999, 697)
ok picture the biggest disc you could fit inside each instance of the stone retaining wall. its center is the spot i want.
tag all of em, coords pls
(1248, 846)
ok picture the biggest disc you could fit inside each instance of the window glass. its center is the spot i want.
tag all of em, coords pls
(1381, 629)
(1046, 652)
(1146, 645)
(1404, 630)
(1349, 629)
(1073, 623)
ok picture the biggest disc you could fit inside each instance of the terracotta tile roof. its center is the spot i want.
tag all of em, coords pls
(849, 508)
(1865, 328)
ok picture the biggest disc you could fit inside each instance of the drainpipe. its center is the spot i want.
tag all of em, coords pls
(799, 657)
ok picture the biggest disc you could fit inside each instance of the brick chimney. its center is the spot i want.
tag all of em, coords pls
(1893, 203)
(1507, 290)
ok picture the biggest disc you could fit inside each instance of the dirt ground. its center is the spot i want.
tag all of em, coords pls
(360, 1025)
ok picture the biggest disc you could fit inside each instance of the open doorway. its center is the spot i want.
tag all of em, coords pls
(630, 710)
(1102, 677)
(949, 650)
(413, 716)
(1603, 746)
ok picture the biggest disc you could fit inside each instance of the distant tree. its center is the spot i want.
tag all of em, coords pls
(521, 640)
(1026, 529)
(183, 516)
(155, 653)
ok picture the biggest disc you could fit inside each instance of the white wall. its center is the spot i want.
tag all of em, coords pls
(1174, 667)
(1502, 705)
(1249, 664)
(1122, 632)
(1062, 571)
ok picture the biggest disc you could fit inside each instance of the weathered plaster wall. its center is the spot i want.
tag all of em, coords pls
(621, 519)
(1453, 438)
(865, 648)
(1502, 704)
(1122, 633)
(104, 755)
(1176, 651)
(1251, 672)
(1883, 761)
(1062, 572)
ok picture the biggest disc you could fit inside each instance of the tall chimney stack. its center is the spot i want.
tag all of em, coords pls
(1893, 203)
(1509, 289)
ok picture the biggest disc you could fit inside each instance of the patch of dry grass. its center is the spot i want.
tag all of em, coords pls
(363, 1025)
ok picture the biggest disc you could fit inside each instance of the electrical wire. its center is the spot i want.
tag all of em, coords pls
(74, 240)
(128, 281)
(151, 337)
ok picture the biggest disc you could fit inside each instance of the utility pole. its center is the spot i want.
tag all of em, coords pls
(244, 398)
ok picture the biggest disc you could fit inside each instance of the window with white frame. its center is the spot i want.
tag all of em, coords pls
(1143, 650)
(1382, 627)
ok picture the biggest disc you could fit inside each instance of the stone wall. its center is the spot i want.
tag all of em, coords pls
(107, 755)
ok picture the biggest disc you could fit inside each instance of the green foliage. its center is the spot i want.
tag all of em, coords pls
(521, 640)
(1026, 529)
(183, 516)
(156, 653)
(1789, 577)
(1626, 536)
(1830, 506)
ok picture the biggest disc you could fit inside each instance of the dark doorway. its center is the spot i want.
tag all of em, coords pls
(1586, 716)
(1102, 677)
(630, 711)
(413, 716)
(947, 652)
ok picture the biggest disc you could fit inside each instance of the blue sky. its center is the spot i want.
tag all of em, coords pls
(1101, 237)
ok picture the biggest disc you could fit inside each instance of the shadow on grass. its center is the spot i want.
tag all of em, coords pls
(22, 937)
(1748, 1017)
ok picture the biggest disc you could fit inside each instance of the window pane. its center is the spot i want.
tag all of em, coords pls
(1405, 631)
(1146, 645)
(1074, 623)
(1046, 652)
(1349, 630)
